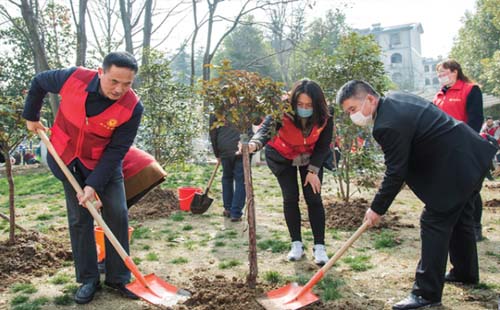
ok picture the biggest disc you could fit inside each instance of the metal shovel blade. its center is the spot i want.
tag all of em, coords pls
(286, 298)
(158, 292)
(200, 203)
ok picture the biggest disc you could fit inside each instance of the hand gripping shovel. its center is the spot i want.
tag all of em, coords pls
(292, 296)
(150, 288)
(201, 202)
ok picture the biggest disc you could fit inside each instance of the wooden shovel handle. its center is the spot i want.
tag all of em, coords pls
(212, 177)
(319, 275)
(93, 211)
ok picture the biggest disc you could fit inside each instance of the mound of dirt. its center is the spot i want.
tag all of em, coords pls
(33, 254)
(222, 294)
(155, 204)
(340, 215)
(493, 203)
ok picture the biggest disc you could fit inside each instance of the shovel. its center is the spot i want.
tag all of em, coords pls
(293, 296)
(201, 202)
(150, 288)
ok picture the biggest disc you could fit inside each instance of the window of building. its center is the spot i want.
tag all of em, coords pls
(433, 67)
(426, 68)
(427, 82)
(395, 39)
(396, 58)
(435, 81)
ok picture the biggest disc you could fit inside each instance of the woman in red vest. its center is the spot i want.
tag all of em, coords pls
(302, 143)
(462, 99)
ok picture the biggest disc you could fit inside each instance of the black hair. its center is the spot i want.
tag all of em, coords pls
(489, 117)
(121, 60)
(314, 91)
(355, 88)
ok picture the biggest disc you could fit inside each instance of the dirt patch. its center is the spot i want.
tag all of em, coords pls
(158, 203)
(492, 186)
(221, 293)
(340, 215)
(33, 254)
(493, 203)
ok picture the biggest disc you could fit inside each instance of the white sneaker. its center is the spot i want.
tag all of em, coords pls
(296, 252)
(319, 252)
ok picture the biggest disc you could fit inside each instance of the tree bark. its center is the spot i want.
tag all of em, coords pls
(147, 31)
(193, 41)
(7, 218)
(12, 210)
(81, 34)
(252, 235)
(125, 11)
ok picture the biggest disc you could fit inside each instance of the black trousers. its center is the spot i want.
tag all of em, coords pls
(290, 189)
(478, 210)
(442, 233)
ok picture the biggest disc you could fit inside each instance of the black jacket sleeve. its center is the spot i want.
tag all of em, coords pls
(474, 109)
(396, 145)
(213, 135)
(263, 134)
(322, 147)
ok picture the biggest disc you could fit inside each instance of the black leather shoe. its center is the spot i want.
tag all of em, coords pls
(86, 292)
(122, 289)
(415, 302)
(450, 277)
(226, 213)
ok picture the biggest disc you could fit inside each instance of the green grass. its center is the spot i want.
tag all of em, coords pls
(152, 256)
(142, 232)
(385, 239)
(486, 286)
(32, 305)
(493, 254)
(219, 243)
(33, 184)
(275, 245)
(301, 278)
(335, 234)
(190, 245)
(187, 227)
(26, 288)
(19, 299)
(146, 247)
(358, 263)
(330, 288)
(227, 234)
(137, 260)
(44, 217)
(273, 277)
(60, 279)
(70, 289)
(229, 264)
(63, 300)
(177, 217)
(179, 260)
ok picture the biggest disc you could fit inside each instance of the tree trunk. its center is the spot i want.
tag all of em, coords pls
(125, 10)
(252, 236)
(12, 210)
(38, 49)
(193, 41)
(81, 35)
(148, 28)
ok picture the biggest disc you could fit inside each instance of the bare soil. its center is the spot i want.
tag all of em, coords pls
(159, 203)
(493, 203)
(32, 254)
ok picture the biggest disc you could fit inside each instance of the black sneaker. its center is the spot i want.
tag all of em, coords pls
(86, 292)
(122, 289)
(226, 213)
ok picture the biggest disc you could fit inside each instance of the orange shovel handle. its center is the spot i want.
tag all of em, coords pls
(93, 211)
(319, 275)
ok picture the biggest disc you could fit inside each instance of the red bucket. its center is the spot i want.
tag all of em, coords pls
(186, 195)
(99, 241)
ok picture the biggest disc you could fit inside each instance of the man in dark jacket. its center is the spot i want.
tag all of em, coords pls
(225, 145)
(444, 162)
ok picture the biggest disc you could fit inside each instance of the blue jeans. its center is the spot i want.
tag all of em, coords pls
(81, 230)
(233, 185)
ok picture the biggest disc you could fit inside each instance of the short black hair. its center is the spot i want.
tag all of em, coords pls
(489, 117)
(355, 88)
(121, 60)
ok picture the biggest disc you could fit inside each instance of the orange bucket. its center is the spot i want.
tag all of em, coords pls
(99, 241)
(186, 195)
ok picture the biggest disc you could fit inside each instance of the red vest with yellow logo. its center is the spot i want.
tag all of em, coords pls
(290, 142)
(454, 101)
(74, 135)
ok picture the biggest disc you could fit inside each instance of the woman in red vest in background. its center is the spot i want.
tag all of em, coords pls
(302, 143)
(462, 99)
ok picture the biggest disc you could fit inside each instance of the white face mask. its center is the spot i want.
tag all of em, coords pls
(360, 119)
(444, 80)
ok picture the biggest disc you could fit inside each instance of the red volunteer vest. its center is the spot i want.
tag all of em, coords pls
(290, 142)
(454, 101)
(76, 136)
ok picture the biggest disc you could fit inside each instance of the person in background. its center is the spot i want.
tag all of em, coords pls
(302, 144)
(462, 99)
(95, 126)
(443, 162)
(225, 145)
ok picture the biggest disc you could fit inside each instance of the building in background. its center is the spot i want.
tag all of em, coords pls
(402, 56)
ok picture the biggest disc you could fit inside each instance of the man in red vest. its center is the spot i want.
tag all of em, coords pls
(95, 126)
